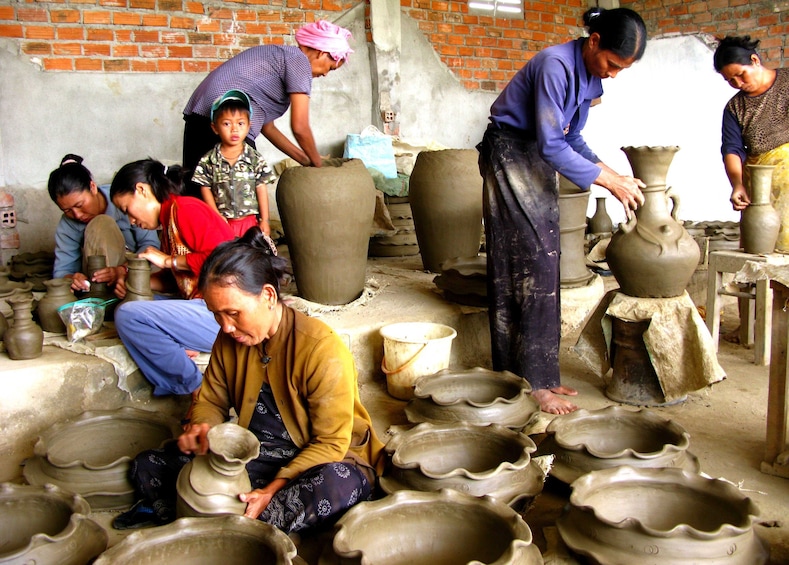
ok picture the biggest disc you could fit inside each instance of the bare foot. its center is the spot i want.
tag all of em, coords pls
(566, 390)
(551, 403)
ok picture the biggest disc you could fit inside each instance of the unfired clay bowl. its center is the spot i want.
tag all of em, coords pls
(478, 395)
(590, 440)
(475, 459)
(229, 540)
(90, 454)
(439, 528)
(46, 525)
(660, 516)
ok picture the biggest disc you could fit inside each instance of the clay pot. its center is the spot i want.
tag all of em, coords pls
(587, 441)
(434, 527)
(209, 485)
(24, 339)
(91, 454)
(573, 202)
(327, 213)
(138, 281)
(47, 526)
(480, 460)
(230, 540)
(445, 191)
(600, 222)
(660, 516)
(760, 223)
(58, 294)
(478, 395)
(652, 255)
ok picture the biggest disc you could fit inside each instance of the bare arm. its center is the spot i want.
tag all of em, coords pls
(306, 152)
(208, 198)
(262, 194)
(739, 195)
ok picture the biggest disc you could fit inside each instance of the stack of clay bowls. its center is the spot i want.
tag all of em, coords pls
(230, 540)
(476, 396)
(433, 527)
(10, 288)
(91, 453)
(585, 441)
(476, 459)
(34, 268)
(45, 525)
(660, 516)
(464, 280)
(403, 242)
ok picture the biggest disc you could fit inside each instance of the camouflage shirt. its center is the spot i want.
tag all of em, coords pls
(233, 186)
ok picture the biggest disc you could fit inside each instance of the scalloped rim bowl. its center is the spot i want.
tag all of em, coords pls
(628, 514)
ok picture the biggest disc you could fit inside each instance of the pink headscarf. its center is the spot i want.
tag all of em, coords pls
(326, 36)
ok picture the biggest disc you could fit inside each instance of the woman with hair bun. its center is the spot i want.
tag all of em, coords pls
(534, 132)
(162, 336)
(292, 381)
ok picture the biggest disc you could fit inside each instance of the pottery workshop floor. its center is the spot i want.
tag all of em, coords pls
(726, 423)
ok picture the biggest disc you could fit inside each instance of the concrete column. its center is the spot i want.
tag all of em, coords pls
(385, 64)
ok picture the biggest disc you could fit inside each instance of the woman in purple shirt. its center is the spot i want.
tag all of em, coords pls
(535, 132)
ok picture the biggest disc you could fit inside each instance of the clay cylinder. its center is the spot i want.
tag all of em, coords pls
(327, 214)
(445, 192)
(24, 339)
(760, 223)
(600, 222)
(95, 263)
(58, 294)
(138, 281)
(572, 235)
(653, 255)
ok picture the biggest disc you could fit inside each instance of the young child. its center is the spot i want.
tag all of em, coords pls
(233, 175)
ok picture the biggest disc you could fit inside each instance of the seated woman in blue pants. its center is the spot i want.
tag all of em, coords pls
(162, 336)
(293, 383)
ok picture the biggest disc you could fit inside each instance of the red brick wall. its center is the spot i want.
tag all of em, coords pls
(767, 21)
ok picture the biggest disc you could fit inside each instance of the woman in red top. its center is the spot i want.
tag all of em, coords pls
(162, 336)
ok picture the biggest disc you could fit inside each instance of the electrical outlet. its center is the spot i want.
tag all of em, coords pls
(388, 116)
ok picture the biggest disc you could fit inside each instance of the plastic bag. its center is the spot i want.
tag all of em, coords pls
(374, 149)
(83, 317)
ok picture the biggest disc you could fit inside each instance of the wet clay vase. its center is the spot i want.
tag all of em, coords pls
(58, 294)
(24, 339)
(209, 485)
(480, 460)
(445, 191)
(478, 396)
(573, 202)
(760, 223)
(652, 255)
(45, 525)
(591, 440)
(600, 222)
(444, 527)
(229, 540)
(138, 280)
(91, 453)
(660, 516)
(327, 214)
(97, 290)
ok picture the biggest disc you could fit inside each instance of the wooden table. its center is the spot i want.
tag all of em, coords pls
(776, 455)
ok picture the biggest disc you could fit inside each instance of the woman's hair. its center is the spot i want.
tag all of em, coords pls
(621, 31)
(70, 176)
(162, 179)
(734, 50)
(248, 263)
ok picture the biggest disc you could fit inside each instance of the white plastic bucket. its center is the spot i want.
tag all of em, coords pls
(412, 350)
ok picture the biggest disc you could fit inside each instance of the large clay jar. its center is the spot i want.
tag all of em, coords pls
(138, 280)
(24, 339)
(445, 191)
(652, 255)
(327, 214)
(209, 485)
(58, 294)
(45, 525)
(600, 222)
(573, 202)
(760, 223)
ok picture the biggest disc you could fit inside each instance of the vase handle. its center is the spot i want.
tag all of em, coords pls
(674, 197)
(627, 226)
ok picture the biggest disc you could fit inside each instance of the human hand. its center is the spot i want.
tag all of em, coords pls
(194, 439)
(79, 282)
(625, 189)
(155, 256)
(739, 198)
(259, 499)
(265, 227)
(120, 288)
(107, 275)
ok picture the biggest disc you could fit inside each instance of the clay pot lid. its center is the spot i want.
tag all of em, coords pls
(590, 431)
(475, 267)
(476, 387)
(406, 445)
(687, 490)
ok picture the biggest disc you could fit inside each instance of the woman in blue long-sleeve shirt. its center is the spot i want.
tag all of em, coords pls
(535, 132)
